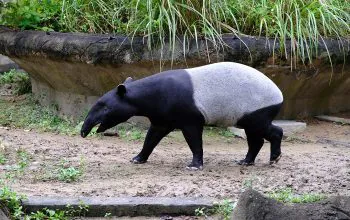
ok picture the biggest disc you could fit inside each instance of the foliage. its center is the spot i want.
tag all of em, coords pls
(3, 159)
(11, 202)
(32, 14)
(70, 174)
(288, 196)
(23, 159)
(21, 80)
(130, 132)
(223, 208)
(163, 22)
(29, 114)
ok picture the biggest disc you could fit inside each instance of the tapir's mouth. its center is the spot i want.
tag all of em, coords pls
(85, 131)
(101, 128)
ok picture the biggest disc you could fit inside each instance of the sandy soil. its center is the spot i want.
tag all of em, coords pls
(317, 160)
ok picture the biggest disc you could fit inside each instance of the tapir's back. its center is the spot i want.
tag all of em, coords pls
(226, 91)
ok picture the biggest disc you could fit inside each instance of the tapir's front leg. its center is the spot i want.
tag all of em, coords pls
(193, 136)
(153, 137)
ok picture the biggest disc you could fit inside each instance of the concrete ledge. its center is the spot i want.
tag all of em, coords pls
(124, 206)
(333, 119)
(289, 127)
(6, 64)
(2, 215)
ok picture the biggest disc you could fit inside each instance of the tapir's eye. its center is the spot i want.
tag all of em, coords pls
(105, 108)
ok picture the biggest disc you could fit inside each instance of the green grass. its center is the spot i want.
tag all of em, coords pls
(223, 209)
(287, 195)
(29, 114)
(69, 173)
(3, 159)
(130, 132)
(163, 22)
(11, 203)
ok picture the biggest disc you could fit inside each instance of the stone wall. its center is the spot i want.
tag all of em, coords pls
(7, 64)
(72, 70)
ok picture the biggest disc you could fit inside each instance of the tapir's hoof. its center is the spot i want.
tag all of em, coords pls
(275, 160)
(194, 168)
(137, 160)
(245, 163)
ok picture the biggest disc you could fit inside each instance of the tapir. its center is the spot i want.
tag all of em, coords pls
(220, 94)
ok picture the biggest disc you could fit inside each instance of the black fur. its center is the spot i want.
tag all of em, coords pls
(167, 100)
(258, 126)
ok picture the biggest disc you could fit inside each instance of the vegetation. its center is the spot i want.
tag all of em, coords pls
(28, 114)
(20, 79)
(305, 22)
(10, 202)
(288, 196)
(70, 174)
(223, 209)
(3, 159)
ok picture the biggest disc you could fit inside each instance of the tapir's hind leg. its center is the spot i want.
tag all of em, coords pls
(258, 125)
(193, 137)
(255, 142)
(274, 135)
(153, 137)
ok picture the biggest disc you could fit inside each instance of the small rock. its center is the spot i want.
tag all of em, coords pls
(8, 86)
(238, 132)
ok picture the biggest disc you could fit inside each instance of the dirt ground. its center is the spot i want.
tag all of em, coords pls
(314, 161)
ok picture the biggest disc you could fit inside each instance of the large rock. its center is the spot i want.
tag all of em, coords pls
(2, 215)
(7, 64)
(254, 206)
(73, 69)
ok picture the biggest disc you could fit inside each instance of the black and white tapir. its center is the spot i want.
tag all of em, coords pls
(220, 94)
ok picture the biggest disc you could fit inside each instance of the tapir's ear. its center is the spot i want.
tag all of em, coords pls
(129, 79)
(121, 90)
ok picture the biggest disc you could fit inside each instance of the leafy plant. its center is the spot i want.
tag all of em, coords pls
(69, 174)
(201, 212)
(223, 208)
(288, 196)
(32, 14)
(23, 159)
(21, 80)
(11, 202)
(2, 159)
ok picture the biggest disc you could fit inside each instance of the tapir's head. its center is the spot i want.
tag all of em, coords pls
(109, 110)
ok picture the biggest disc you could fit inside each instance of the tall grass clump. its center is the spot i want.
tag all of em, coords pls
(297, 26)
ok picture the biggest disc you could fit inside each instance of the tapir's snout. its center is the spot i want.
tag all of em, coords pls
(86, 127)
(89, 125)
(83, 133)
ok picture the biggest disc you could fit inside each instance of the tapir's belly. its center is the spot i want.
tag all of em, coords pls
(225, 94)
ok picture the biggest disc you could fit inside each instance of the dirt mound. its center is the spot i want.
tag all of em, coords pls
(253, 205)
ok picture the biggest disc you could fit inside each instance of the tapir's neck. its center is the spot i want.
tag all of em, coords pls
(144, 94)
